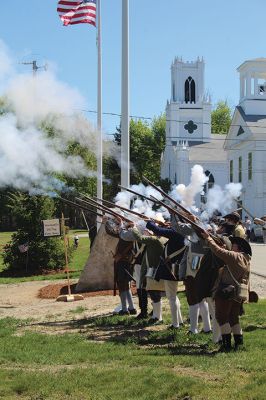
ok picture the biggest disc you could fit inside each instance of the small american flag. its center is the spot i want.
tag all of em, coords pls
(77, 12)
(23, 248)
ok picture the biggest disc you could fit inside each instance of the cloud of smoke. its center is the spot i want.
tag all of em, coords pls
(222, 200)
(187, 194)
(28, 156)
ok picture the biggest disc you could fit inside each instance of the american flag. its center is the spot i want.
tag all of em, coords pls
(23, 248)
(77, 12)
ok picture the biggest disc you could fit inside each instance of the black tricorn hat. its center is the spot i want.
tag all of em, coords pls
(242, 244)
(234, 216)
(253, 297)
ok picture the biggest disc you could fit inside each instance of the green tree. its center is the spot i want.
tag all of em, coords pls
(146, 146)
(221, 118)
(44, 253)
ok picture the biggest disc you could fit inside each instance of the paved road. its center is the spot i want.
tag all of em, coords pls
(258, 261)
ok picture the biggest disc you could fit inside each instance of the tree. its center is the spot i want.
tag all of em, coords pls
(44, 253)
(221, 118)
(146, 146)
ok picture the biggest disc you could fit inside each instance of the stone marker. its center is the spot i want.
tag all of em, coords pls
(98, 273)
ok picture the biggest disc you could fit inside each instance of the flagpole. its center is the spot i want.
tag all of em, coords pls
(125, 156)
(99, 108)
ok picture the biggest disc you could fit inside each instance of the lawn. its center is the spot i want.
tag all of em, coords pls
(80, 256)
(132, 363)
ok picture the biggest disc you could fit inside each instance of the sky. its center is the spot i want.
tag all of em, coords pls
(224, 33)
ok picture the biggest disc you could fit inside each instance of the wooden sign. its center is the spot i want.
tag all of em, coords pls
(51, 227)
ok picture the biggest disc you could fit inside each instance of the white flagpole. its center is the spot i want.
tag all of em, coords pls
(99, 108)
(125, 157)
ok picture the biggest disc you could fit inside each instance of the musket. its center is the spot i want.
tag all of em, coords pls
(123, 208)
(166, 195)
(144, 217)
(198, 229)
(102, 208)
(71, 203)
(137, 194)
(248, 212)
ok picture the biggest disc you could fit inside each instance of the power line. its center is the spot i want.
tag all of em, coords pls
(175, 120)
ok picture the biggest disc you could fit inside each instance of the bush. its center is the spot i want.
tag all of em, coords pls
(44, 254)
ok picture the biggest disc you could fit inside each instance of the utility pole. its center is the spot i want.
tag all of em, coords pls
(35, 67)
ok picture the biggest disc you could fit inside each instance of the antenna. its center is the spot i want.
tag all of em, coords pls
(35, 67)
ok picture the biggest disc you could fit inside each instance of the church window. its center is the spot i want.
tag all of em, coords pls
(190, 127)
(249, 166)
(240, 131)
(208, 185)
(261, 87)
(174, 98)
(240, 169)
(190, 90)
(231, 170)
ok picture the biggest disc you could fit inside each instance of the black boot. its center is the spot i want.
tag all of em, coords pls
(139, 297)
(226, 343)
(143, 300)
(238, 341)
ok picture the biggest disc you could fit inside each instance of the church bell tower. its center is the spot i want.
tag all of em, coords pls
(188, 112)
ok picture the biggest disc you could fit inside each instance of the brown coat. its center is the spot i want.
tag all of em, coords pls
(238, 264)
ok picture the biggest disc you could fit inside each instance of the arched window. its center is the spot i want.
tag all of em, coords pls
(208, 185)
(190, 90)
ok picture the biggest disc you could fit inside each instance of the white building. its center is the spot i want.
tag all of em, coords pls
(246, 139)
(238, 157)
(188, 128)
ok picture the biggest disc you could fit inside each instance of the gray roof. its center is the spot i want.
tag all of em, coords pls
(212, 151)
(256, 123)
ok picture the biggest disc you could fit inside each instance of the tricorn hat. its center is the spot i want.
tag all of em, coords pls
(253, 297)
(234, 216)
(242, 244)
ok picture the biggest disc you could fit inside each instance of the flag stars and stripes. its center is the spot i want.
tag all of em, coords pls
(77, 12)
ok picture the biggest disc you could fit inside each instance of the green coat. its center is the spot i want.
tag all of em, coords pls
(154, 250)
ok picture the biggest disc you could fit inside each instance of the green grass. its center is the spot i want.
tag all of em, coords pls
(80, 256)
(130, 364)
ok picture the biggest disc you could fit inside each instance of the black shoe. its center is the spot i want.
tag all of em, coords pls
(141, 316)
(206, 332)
(133, 311)
(121, 312)
(155, 321)
(173, 328)
(238, 342)
(226, 343)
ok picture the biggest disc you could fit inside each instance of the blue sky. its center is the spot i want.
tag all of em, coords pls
(225, 33)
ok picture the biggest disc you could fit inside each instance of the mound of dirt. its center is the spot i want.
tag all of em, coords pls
(55, 290)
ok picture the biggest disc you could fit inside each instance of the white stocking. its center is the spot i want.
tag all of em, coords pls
(157, 310)
(204, 312)
(193, 316)
(179, 315)
(216, 331)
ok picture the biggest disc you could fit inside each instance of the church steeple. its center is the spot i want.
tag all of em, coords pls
(253, 86)
(189, 110)
(187, 81)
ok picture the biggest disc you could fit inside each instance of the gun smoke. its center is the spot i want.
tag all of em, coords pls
(29, 153)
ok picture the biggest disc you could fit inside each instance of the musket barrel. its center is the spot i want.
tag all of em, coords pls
(103, 208)
(71, 203)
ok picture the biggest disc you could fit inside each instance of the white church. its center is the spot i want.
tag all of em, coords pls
(235, 157)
